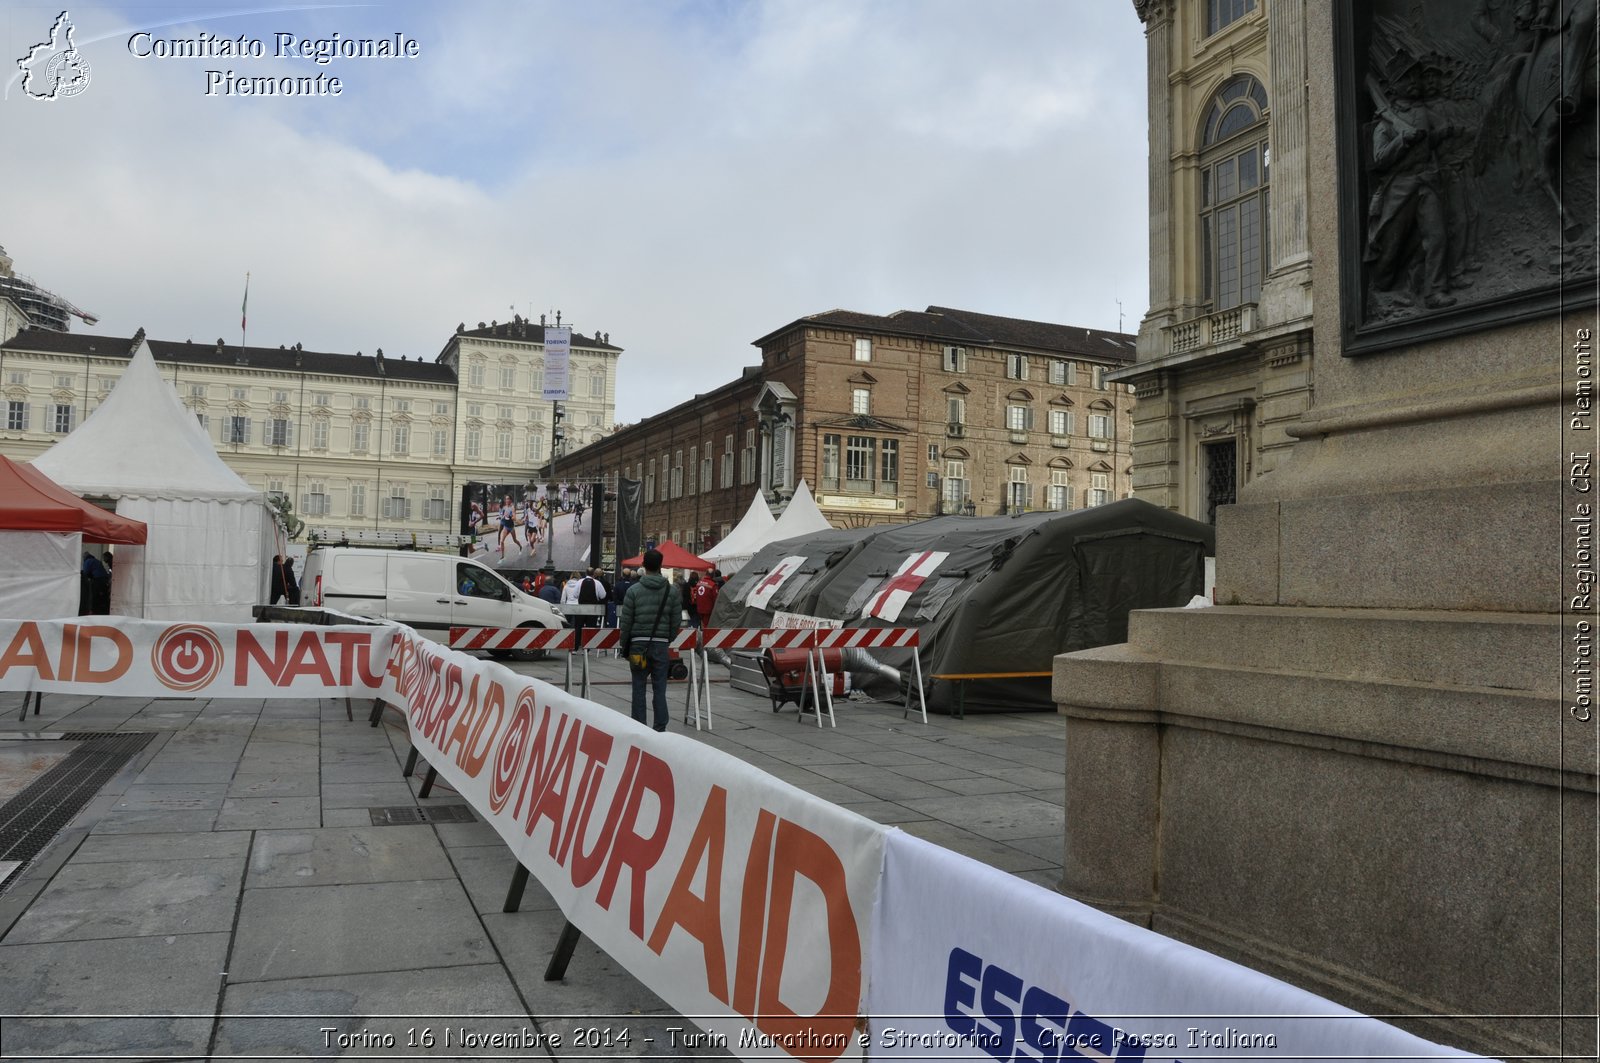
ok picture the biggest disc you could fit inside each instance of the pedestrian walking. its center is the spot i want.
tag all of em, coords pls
(648, 620)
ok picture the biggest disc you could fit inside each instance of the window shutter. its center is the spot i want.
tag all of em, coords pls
(1027, 418)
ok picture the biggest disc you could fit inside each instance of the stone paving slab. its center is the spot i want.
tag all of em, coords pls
(331, 856)
(486, 870)
(997, 816)
(274, 784)
(136, 898)
(172, 797)
(265, 813)
(156, 822)
(368, 794)
(362, 1014)
(311, 931)
(158, 977)
(111, 848)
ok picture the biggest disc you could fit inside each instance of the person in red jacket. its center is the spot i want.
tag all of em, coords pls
(705, 600)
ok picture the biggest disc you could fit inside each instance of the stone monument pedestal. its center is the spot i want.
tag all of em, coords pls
(1371, 768)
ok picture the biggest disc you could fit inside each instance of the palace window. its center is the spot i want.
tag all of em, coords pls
(863, 350)
(401, 436)
(860, 400)
(1061, 423)
(1017, 366)
(1017, 490)
(358, 500)
(16, 416)
(1099, 488)
(955, 484)
(1234, 194)
(1221, 13)
(1059, 494)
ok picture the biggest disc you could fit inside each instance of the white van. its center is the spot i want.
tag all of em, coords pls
(429, 592)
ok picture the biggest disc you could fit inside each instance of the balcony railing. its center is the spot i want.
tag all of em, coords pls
(1223, 326)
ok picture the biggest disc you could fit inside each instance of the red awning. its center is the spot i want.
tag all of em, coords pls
(31, 501)
(674, 556)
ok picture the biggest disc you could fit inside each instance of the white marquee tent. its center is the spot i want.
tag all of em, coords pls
(210, 537)
(742, 542)
(800, 517)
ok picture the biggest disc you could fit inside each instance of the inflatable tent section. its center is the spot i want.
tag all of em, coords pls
(1000, 595)
(732, 553)
(991, 595)
(784, 577)
(210, 536)
(43, 528)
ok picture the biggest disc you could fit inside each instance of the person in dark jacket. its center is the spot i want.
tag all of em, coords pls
(647, 622)
(94, 586)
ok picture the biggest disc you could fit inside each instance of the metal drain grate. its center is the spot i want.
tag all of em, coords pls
(402, 815)
(38, 812)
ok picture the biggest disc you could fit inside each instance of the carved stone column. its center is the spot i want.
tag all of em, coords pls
(1286, 295)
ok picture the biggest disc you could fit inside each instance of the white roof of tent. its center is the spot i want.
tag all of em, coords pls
(144, 442)
(741, 541)
(800, 517)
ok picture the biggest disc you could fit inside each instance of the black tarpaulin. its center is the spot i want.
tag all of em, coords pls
(991, 595)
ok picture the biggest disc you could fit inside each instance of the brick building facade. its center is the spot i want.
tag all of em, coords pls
(887, 418)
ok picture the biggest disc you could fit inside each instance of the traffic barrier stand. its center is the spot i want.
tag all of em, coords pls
(698, 696)
(696, 642)
(880, 638)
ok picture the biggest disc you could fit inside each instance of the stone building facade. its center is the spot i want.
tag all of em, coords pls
(356, 442)
(1225, 351)
(887, 418)
(1372, 769)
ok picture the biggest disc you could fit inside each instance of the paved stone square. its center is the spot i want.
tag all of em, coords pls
(227, 893)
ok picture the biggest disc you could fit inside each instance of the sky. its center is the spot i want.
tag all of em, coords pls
(685, 175)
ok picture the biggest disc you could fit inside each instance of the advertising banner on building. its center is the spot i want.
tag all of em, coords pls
(557, 361)
(970, 963)
(737, 898)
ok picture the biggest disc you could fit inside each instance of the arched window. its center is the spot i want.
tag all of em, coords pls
(1234, 193)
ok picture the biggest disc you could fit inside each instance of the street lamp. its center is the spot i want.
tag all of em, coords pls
(968, 508)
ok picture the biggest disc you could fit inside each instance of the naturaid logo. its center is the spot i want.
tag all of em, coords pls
(55, 69)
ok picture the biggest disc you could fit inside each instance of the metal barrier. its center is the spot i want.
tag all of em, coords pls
(697, 641)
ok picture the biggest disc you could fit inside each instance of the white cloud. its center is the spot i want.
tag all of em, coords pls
(686, 178)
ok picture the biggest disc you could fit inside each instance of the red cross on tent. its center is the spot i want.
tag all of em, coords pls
(762, 592)
(892, 597)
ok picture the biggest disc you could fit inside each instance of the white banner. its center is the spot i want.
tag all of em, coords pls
(739, 899)
(763, 590)
(971, 963)
(116, 655)
(557, 361)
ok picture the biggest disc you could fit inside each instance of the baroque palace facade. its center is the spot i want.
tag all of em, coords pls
(357, 442)
(1224, 354)
(886, 418)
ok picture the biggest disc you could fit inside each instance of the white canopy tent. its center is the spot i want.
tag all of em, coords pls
(210, 537)
(742, 542)
(800, 517)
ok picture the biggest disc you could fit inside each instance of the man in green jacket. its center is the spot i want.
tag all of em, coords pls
(647, 622)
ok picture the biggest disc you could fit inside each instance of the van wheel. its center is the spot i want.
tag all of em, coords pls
(531, 655)
(677, 670)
